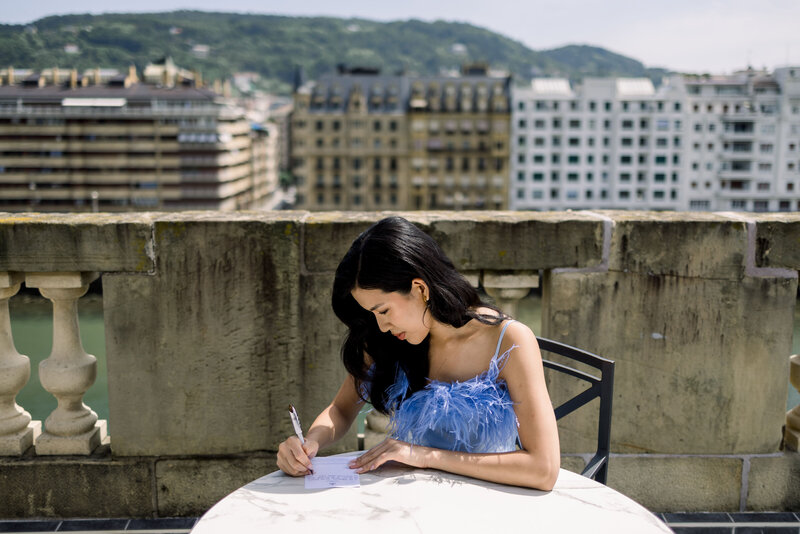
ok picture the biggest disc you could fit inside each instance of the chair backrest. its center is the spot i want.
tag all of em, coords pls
(602, 387)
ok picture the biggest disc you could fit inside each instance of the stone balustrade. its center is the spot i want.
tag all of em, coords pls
(215, 321)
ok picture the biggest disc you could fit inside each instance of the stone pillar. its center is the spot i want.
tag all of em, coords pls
(508, 288)
(791, 437)
(69, 372)
(17, 431)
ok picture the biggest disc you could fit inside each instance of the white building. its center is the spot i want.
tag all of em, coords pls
(695, 143)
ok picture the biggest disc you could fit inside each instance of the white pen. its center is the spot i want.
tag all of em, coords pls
(297, 428)
(296, 423)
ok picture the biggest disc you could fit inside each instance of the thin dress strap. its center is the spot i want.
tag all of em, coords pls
(500, 341)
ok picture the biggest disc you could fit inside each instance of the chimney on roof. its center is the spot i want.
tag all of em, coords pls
(10, 75)
(132, 77)
(73, 79)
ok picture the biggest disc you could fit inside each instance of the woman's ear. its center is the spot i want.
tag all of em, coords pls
(418, 284)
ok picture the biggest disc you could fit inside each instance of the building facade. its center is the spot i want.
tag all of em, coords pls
(106, 141)
(695, 143)
(366, 141)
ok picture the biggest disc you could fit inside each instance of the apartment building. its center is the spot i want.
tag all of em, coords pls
(366, 141)
(695, 143)
(609, 143)
(107, 141)
(743, 142)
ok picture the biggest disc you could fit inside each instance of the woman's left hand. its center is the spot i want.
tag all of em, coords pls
(388, 450)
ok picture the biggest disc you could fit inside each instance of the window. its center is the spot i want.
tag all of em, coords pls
(573, 159)
(624, 195)
(572, 177)
(538, 176)
(625, 160)
(556, 124)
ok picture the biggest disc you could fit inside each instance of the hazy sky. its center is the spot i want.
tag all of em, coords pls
(688, 35)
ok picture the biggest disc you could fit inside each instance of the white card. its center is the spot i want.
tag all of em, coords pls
(332, 472)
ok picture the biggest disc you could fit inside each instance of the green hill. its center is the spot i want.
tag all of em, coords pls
(273, 45)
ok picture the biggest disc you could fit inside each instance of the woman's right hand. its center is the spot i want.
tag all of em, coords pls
(294, 458)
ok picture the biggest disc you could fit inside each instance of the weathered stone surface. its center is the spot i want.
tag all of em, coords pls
(76, 242)
(678, 244)
(678, 484)
(190, 487)
(216, 321)
(519, 240)
(328, 235)
(71, 487)
(321, 371)
(778, 240)
(774, 483)
(506, 240)
(204, 356)
(700, 363)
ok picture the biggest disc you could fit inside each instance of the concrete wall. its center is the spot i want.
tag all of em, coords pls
(215, 322)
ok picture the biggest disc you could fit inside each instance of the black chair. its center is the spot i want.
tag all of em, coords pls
(602, 387)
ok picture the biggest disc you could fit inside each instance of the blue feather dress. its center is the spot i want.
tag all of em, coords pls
(473, 416)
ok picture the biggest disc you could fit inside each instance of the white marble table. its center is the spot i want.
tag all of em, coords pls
(400, 499)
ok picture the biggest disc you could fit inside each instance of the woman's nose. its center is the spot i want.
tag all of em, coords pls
(383, 324)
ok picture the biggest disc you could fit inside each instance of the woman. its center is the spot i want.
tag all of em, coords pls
(462, 383)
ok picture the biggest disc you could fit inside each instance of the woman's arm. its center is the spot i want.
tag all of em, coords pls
(294, 458)
(536, 465)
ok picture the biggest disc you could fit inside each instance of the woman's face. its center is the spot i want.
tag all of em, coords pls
(404, 315)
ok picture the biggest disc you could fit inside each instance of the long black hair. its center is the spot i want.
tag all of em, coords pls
(388, 256)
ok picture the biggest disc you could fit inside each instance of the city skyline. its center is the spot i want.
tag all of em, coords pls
(699, 36)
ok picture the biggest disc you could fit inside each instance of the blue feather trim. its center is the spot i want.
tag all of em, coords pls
(476, 415)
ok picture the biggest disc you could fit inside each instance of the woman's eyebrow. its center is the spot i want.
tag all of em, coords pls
(376, 307)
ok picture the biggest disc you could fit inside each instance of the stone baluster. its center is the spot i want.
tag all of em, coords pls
(791, 436)
(507, 289)
(17, 431)
(68, 373)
